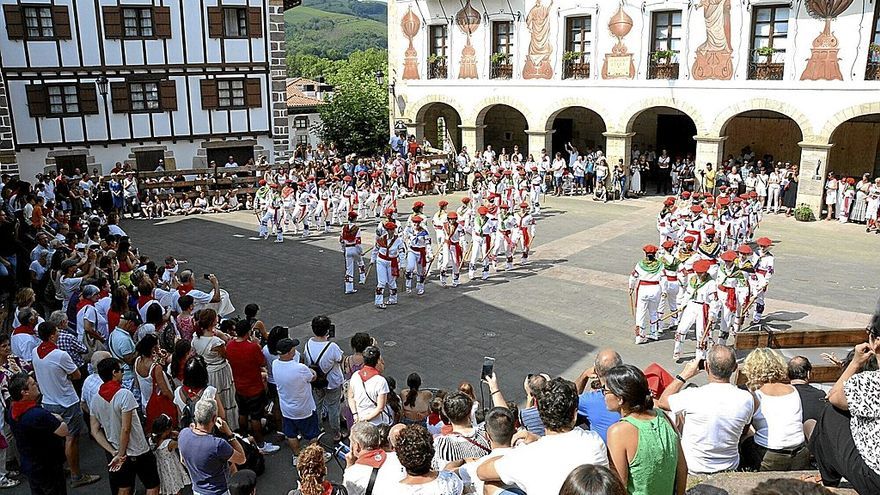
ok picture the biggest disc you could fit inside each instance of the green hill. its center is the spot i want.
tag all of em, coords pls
(334, 35)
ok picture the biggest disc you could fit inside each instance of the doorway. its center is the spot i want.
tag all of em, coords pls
(563, 134)
(220, 156)
(675, 133)
(147, 161)
(68, 165)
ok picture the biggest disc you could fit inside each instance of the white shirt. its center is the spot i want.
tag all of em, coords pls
(51, 373)
(23, 345)
(468, 472)
(87, 313)
(366, 395)
(68, 285)
(38, 269)
(199, 297)
(540, 468)
(357, 477)
(329, 361)
(293, 380)
(90, 388)
(114, 229)
(778, 421)
(715, 416)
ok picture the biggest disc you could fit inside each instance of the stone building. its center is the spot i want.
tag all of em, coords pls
(798, 81)
(89, 83)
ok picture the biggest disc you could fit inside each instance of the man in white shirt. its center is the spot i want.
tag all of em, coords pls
(294, 382)
(541, 466)
(327, 356)
(54, 370)
(715, 415)
(368, 390)
(200, 298)
(500, 427)
(366, 457)
(24, 337)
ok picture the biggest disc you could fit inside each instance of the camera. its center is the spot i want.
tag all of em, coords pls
(207, 276)
(332, 332)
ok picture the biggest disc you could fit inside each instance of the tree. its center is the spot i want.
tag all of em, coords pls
(356, 116)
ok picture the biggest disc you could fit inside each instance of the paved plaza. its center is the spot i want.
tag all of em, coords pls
(551, 316)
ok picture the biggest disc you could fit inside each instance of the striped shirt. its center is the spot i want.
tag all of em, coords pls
(455, 446)
(531, 420)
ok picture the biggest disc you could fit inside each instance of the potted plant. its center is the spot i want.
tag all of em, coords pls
(435, 59)
(766, 52)
(803, 213)
(498, 58)
(571, 56)
(662, 56)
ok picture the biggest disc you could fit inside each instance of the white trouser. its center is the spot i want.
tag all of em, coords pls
(729, 317)
(504, 243)
(773, 197)
(695, 313)
(353, 261)
(450, 260)
(480, 254)
(647, 302)
(386, 280)
(416, 263)
(669, 304)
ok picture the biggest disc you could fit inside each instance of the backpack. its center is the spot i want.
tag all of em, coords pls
(254, 459)
(320, 381)
(186, 414)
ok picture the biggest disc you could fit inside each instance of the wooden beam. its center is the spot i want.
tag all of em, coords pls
(839, 337)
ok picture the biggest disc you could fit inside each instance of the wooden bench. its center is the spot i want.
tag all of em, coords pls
(808, 343)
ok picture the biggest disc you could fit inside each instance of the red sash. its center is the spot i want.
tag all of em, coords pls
(730, 299)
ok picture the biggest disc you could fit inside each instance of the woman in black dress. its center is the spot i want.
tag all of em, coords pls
(789, 198)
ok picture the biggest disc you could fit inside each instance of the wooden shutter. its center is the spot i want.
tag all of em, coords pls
(120, 97)
(162, 20)
(210, 99)
(37, 100)
(14, 22)
(253, 92)
(88, 98)
(255, 22)
(168, 95)
(112, 22)
(215, 22)
(61, 22)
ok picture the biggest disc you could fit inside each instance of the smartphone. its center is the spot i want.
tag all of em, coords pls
(207, 276)
(332, 332)
(488, 367)
(701, 364)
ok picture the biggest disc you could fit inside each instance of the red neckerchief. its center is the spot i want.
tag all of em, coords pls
(327, 488)
(45, 348)
(83, 303)
(102, 294)
(143, 300)
(367, 372)
(20, 407)
(372, 458)
(184, 289)
(113, 318)
(192, 393)
(434, 418)
(23, 329)
(109, 389)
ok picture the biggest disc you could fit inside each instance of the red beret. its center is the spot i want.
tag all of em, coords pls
(737, 200)
(466, 200)
(668, 245)
(686, 194)
(728, 256)
(696, 209)
(504, 206)
(523, 205)
(443, 203)
(669, 202)
(451, 215)
(702, 266)
(744, 249)
(417, 219)
(689, 239)
(390, 225)
(649, 249)
(764, 241)
(710, 231)
(352, 215)
(418, 204)
(723, 201)
(710, 201)
(262, 182)
(389, 211)
(347, 178)
(482, 210)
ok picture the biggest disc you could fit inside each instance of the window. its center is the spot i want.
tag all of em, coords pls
(38, 23)
(303, 139)
(579, 36)
(666, 31)
(144, 96)
(235, 22)
(502, 37)
(63, 99)
(301, 122)
(876, 36)
(230, 93)
(137, 22)
(438, 40)
(769, 31)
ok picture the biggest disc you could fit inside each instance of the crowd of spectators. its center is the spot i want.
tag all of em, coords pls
(177, 391)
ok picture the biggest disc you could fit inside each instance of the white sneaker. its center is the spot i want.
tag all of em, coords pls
(278, 241)
(640, 339)
(654, 337)
(269, 448)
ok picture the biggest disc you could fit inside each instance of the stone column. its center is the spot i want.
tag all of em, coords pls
(417, 129)
(278, 84)
(618, 146)
(539, 140)
(472, 138)
(710, 149)
(813, 166)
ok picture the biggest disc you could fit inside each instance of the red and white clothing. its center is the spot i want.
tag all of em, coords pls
(644, 283)
(451, 252)
(699, 296)
(388, 254)
(350, 239)
(525, 231)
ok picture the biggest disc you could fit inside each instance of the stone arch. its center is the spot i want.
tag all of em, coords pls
(415, 111)
(546, 117)
(633, 112)
(789, 111)
(487, 103)
(842, 116)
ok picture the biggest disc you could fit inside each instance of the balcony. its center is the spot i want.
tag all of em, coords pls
(762, 66)
(501, 70)
(663, 64)
(872, 70)
(437, 68)
(575, 69)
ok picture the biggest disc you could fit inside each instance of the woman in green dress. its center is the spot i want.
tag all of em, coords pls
(643, 446)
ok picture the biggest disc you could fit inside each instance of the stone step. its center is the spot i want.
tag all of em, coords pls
(742, 483)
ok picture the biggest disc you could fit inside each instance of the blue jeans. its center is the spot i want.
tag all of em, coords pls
(11, 270)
